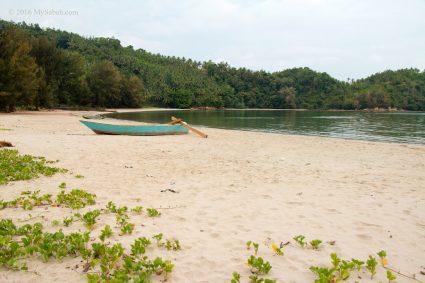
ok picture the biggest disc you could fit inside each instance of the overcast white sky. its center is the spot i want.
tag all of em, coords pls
(345, 38)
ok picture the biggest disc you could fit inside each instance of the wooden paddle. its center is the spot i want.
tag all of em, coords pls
(175, 120)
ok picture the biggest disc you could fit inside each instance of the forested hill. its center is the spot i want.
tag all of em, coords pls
(53, 68)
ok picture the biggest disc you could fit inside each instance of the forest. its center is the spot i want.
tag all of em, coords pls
(50, 68)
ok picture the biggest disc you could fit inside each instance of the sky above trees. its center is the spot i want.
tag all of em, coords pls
(347, 39)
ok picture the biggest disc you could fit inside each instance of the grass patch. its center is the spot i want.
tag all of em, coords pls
(5, 129)
(16, 167)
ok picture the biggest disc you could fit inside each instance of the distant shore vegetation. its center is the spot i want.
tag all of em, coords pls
(49, 68)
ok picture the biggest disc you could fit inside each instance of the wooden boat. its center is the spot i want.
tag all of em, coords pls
(135, 130)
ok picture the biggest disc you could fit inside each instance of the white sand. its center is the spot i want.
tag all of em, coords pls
(233, 187)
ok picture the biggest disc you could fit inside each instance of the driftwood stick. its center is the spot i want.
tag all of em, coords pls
(404, 275)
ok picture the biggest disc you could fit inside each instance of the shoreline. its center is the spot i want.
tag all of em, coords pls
(255, 131)
(236, 186)
(123, 110)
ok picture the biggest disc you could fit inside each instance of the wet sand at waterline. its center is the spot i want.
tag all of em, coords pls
(216, 194)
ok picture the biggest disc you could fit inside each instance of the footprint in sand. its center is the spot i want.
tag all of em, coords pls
(333, 210)
(215, 235)
(180, 218)
(364, 237)
(242, 228)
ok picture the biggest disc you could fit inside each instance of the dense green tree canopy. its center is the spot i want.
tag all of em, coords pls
(51, 68)
(19, 73)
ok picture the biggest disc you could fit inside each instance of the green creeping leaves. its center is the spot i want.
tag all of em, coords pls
(111, 207)
(169, 244)
(34, 242)
(105, 233)
(341, 269)
(108, 262)
(76, 198)
(89, 218)
(121, 217)
(315, 244)
(15, 167)
(278, 250)
(152, 212)
(258, 265)
(255, 245)
(137, 209)
(139, 247)
(27, 200)
(256, 279)
(236, 277)
(127, 228)
(358, 263)
(382, 254)
(67, 221)
(325, 275)
(300, 240)
(158, 238)
(371, 264)
(172, 245)
(390, 276)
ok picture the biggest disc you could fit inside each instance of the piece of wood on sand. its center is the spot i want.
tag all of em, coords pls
(5, 144)
(175, 120)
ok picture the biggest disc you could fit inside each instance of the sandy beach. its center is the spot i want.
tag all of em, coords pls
(218, 193)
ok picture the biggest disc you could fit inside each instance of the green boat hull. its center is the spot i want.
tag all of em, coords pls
(135, 130)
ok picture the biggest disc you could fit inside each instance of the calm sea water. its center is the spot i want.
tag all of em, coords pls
(401, 127)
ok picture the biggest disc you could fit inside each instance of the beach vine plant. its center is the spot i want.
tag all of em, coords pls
(300, 240)
(315, 244)
(16, 167)
(29, 199)
(341, 269)
(105, 233)
(390, 276)
(255, 245)
(255, 279)
(257, 266)
(236, 277)
(278, 250)
(383, 256)
(371, 264)
(107, 262)
(152, 212)
(89, 218)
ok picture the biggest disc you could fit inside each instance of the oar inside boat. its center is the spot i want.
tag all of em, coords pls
(175, 121)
